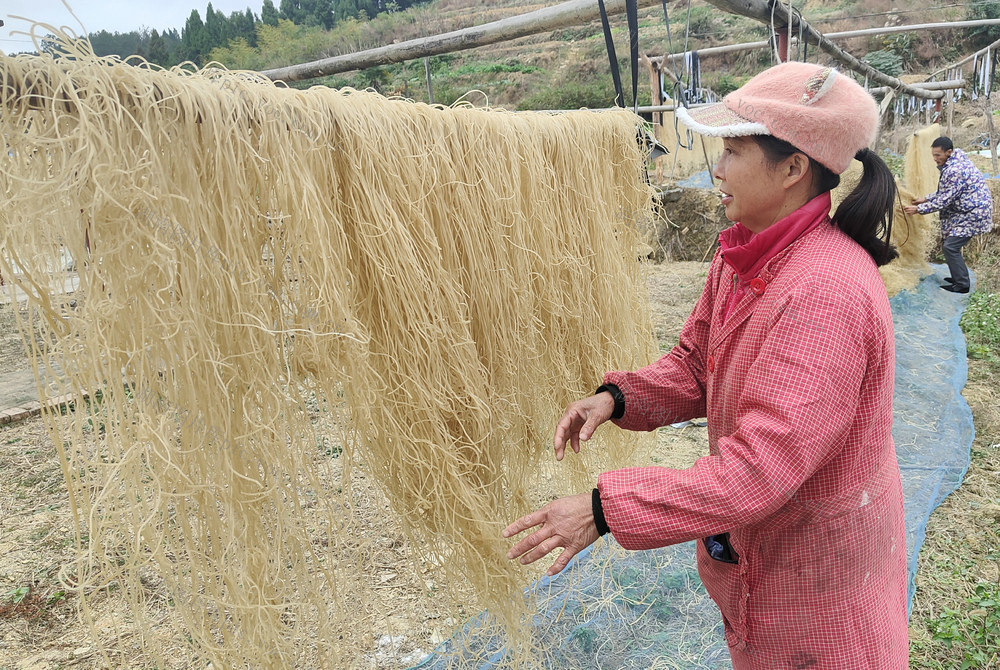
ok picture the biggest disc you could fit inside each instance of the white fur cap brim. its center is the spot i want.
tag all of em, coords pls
(741, 127)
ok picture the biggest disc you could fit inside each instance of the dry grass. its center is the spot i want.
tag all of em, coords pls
(963, 535)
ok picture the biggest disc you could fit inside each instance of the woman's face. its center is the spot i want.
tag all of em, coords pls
(752, 191)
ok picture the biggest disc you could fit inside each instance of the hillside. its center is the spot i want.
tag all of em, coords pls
(568, 68)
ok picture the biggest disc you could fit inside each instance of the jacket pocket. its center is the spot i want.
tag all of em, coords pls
(719, 548)
(726, 585)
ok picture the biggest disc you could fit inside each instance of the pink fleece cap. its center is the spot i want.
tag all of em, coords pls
(823, 113)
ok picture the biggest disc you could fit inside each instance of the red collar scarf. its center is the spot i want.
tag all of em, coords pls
(747, 253)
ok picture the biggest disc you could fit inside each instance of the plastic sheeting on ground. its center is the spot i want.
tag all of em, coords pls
(700, 180)
(616, 609)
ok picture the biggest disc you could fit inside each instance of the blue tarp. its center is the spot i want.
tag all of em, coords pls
(700, 180)
(616, 609)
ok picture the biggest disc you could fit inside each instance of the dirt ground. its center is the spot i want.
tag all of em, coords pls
(40, 628)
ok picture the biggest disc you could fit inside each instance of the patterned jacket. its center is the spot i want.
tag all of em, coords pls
(797, 385)
(963, 198)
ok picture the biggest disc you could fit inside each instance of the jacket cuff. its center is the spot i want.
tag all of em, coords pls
(618, 396)
(599, 521)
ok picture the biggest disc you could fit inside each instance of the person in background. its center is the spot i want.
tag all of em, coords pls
(966, 207)
(797, 510)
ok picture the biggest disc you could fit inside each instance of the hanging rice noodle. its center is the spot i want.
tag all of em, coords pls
(439, 282)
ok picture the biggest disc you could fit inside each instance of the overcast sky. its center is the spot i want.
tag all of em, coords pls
(112, 15)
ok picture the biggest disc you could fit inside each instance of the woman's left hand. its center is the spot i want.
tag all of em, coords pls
(910, 209)
(566, 522)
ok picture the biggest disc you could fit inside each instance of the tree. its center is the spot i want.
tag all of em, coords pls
(268, 14)
(216, 28)
(292, 10)
(247, 27)
(158, 52)
(308, 12)
(194, 38)
(346, 9)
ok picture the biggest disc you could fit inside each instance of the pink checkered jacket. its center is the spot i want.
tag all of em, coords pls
(797, 386)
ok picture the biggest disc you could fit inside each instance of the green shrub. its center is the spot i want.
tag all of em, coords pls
(894, 161)
(886, 61)
(726, 83)
(983, 35)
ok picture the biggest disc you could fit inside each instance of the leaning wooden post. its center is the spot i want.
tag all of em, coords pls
(547, 19)
(657, 100)
(883, 116)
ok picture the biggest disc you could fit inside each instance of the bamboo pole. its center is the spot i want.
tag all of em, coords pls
(910, 27)
(843, 35)
(543, 20)
(763, 11)
(649, 109)
(965, 60)
(948, 85)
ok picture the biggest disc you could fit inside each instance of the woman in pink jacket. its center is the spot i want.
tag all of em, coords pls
(798, 509)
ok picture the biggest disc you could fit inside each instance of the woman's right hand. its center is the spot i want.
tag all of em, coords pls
(580, 420)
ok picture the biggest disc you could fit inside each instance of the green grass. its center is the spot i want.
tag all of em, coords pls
(955, 623)
(490, 68)
(981, 325)
(973, 632)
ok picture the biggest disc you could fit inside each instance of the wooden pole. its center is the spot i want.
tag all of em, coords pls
(427, 73)
(989, 127)
(882, 115)
(763, 11)
(951, 112)
(656, 96)
(543, 20)
(944, 25)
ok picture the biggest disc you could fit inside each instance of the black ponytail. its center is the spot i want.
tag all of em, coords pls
(866, 213)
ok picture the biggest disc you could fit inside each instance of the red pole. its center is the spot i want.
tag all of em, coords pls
(783, 45)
